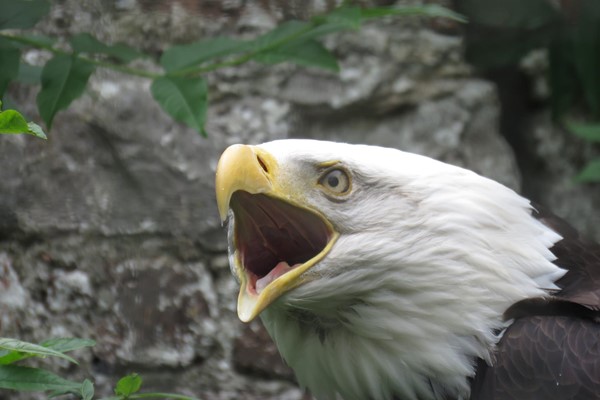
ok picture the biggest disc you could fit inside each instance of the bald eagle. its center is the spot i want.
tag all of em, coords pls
(382, 275)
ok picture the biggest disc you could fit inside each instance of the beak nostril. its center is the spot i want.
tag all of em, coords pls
(262, 164)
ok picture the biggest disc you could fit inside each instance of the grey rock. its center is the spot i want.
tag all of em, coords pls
(14, 298)
(254, 336)
(166, 311)
(460, 129)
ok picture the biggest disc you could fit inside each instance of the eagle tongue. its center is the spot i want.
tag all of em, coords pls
(281, 268)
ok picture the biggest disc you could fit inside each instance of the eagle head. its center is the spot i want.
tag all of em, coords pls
(378, 273)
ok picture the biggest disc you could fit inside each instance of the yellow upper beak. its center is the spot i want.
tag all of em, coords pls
(254, 170)
(240, 168)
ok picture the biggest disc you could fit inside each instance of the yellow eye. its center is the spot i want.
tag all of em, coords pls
(336, 181)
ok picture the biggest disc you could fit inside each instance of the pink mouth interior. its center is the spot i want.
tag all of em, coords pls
(273, 237)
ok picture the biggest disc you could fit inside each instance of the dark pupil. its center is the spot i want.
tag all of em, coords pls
(333, 181)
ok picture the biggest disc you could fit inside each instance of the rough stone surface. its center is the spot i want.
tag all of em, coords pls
(109, 229)
(254, 337)
(458, 127)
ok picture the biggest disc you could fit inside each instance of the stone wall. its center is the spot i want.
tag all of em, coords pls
(109, 230)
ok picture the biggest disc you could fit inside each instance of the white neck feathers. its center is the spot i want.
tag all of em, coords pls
(404, 306)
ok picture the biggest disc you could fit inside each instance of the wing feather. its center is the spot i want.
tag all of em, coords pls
(543, 357)
(552, 349)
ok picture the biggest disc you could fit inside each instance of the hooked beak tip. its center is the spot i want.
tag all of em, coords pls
(240, 168)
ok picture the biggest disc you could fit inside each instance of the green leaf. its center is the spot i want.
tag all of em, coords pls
(29, 74)
(12, 121)
(43, 40)
(123, 52)
(64, 345)
(30, 348)
(11, 357)
(589, 132)
(180, 57)
(19, 14)
(61, 345)
(347, 17)
(292, 34)
(33, 379)
(340, 19)
(591, 172)
(36, 130)
(310, 53)
(87, 390)
(9, 66)
(285, 33)
(128, 385)
(63, 80)
(293, 41)
(86, 43)
(184, 99)
(427, 10)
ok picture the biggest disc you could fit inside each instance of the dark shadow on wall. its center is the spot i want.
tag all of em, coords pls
(500, 35)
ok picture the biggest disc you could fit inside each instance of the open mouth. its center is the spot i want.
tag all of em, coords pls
(273, 237)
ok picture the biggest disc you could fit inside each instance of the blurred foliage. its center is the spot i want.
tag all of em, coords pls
(32, 379)
(501, 33)
(180, 88)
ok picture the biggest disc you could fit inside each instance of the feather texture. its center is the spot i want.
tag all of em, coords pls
(413, 292)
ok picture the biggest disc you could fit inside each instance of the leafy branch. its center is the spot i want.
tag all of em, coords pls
(22, 378)
(180, 87)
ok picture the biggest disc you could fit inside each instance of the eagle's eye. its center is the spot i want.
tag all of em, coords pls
(336, 181)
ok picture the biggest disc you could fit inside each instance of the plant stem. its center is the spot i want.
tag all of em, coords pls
(104, 64)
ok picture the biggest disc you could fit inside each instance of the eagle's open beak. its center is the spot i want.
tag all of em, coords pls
(276, 237)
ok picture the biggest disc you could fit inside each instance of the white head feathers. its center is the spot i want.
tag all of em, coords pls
(414, 290)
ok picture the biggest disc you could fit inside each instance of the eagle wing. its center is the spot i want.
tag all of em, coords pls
(552, 350)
